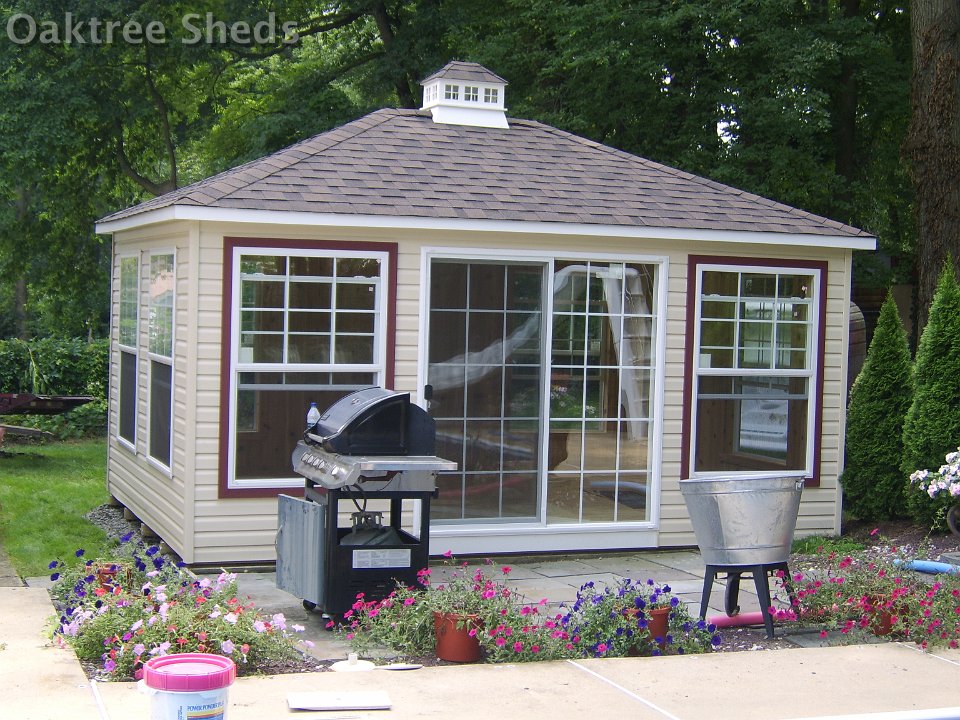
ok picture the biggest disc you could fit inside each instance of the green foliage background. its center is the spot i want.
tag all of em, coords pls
(874, 486)
(805, 103)
(49, 366)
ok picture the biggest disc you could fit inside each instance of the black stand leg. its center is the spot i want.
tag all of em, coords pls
(763, 593)
(734, 573)
(709, 576)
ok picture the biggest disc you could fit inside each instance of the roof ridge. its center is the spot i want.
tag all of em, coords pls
(699, 179)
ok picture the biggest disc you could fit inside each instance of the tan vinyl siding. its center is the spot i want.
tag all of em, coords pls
(212, 530)
(154, 495)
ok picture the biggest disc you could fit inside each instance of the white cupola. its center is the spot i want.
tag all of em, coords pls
(463, 93)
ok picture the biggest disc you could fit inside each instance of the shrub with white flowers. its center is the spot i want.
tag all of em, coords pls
(944, 484)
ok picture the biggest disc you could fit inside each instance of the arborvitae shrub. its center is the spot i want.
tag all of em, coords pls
(872, 481)
(932, 425)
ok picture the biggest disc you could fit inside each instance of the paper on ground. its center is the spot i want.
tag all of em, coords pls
(339, 700)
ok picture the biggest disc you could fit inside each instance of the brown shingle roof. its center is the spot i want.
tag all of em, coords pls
(400, 163)
(470, 72)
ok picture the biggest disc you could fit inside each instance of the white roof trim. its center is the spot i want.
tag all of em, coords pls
(282, 217)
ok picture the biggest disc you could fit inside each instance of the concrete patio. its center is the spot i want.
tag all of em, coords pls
(43, 681)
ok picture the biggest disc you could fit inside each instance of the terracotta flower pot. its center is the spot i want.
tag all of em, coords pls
(107, 576)
(454, 641)
(881, 616)
(658, 622)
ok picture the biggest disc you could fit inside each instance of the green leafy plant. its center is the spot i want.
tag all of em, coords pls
(614, 621)
(849, 593)
(932, 425)
(881, 395)
(602, 622)
(53, 366)
(403, 621)
(941, 487)
(121, 611)
(820, 544)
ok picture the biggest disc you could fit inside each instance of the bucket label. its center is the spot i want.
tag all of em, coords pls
(204, 711)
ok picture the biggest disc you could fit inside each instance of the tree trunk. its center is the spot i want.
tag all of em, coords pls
(932, 147)
(845, 119)
(401, 82)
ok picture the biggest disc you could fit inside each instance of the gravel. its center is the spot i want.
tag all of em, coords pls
(110, 519)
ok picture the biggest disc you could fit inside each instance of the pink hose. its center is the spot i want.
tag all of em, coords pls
(749, 618)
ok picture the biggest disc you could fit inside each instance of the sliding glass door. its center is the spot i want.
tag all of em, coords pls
(543, 377)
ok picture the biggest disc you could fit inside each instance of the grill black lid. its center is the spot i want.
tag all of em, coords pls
(374, 421)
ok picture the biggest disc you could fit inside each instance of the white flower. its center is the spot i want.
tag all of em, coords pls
(230, 618)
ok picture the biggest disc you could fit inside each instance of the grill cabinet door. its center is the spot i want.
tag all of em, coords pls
(300, 548)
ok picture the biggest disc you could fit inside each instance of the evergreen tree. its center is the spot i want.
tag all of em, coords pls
(932, 425)
(873, 483)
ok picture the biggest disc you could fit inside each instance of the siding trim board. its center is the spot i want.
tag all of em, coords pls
(693, 262)
(339, 221)
(390, 329)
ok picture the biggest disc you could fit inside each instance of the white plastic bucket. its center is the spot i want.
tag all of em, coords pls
(189, 686)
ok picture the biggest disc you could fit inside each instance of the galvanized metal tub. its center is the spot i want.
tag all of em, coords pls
(743, 521)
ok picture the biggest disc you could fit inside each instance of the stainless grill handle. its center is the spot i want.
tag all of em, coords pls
(312, 439)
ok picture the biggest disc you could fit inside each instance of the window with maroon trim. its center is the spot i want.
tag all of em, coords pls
(754, 364)
(306, 325)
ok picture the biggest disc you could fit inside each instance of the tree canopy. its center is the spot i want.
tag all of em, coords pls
(803, 101)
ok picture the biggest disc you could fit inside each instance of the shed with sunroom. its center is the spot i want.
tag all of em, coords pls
(594, 326)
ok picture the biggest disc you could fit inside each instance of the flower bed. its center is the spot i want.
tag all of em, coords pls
(602, 622)
(120, 612)
(872, 593)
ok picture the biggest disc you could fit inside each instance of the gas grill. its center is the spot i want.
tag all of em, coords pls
(368, 458)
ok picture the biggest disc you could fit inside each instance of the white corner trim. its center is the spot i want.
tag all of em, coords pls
(404, 222)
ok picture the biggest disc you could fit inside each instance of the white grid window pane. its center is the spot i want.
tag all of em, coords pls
(308, 329)
(755, 371)
(129, 302)
(160, 318)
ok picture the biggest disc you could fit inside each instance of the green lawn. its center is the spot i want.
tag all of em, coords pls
(45, 490)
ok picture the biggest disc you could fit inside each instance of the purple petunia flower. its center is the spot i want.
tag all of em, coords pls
(53, 564)
(79, 553)
(227, 646)
(55, 576)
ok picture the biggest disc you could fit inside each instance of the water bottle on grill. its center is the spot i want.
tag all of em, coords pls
(313, 415)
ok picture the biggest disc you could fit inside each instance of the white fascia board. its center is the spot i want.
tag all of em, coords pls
(392, 222)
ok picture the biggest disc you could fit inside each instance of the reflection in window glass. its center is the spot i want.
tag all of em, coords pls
(309, 330)
(160, 344)
(601, 392)
(582, 433)
(754, 371)
(160, 319)
(129, 302)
